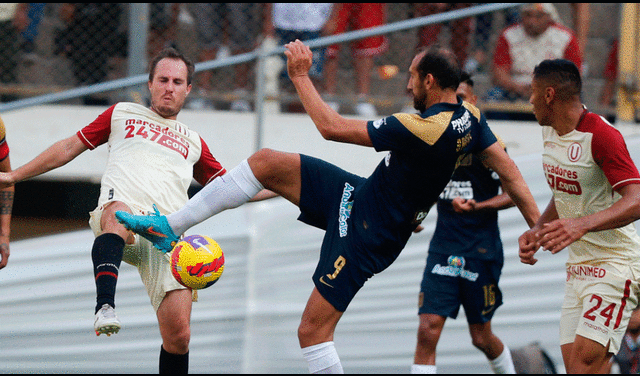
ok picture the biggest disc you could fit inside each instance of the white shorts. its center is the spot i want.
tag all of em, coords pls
(598, 302)
(153, 265)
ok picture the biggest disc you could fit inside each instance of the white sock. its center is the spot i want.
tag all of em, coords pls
(225, 192)
(423, 368)
(503, 364)
(322, 358)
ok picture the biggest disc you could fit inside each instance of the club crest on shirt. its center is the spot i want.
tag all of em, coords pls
(574, 152)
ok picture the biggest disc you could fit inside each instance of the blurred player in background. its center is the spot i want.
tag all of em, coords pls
(367, 220)
(6, 200)
(596, 199)
(466, 242)
(628, 358)
(152, 160)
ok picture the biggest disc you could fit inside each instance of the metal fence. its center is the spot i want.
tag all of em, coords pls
(73, 45)
(96, 53)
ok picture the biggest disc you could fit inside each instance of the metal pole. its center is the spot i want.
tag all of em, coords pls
(137, 47)
(259, 96)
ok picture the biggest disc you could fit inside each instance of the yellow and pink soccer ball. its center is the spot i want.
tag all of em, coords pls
(197, 262)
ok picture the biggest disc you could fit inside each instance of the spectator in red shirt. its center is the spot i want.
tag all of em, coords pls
(607, 95)
(524, 45)
(348, 17)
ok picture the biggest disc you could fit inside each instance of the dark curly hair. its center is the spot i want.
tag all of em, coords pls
(563, 75)
(443, 66)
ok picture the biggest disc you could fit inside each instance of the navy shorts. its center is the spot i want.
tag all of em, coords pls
(326, 202)
(452, 281)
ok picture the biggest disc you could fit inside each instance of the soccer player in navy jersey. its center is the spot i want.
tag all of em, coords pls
(367, 220)
(465, 260)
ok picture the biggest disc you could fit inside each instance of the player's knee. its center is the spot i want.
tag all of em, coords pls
(271, 160)
(428, 334)
(482, 343)
(271, 167)
(588, 362)
(309, 334)
(263, 159)
(177, 342)
(305, 332)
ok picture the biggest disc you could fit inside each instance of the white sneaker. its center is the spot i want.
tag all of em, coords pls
(106, 321)
(366, 109)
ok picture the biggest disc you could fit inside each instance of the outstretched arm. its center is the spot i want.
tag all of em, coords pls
(57, 155)
(512, 181)
(330, 124)
(6, 204)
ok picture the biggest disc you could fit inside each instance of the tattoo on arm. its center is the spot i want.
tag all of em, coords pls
(6, 202)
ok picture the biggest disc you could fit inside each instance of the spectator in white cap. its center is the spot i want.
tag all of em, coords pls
(538, 36)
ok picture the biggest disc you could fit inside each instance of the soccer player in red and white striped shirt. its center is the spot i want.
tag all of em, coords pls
(596, 199)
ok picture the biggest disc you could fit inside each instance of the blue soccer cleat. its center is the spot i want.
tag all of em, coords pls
(153, 227)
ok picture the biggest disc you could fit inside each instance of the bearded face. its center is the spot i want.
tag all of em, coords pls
(419, 97)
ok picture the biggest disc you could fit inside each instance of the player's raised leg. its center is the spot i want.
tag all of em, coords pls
(274, 170)
(153, 227)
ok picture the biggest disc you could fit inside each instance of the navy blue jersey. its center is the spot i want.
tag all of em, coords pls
(424, 151)
(368, 221)
(472, 235)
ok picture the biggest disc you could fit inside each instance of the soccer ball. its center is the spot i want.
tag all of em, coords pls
(197, 262)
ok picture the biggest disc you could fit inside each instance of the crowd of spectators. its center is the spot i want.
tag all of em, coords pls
(89, 34)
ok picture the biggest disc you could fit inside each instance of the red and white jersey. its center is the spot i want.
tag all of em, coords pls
(584, 168)
(521, 53)
(4, 147)
(152, 160)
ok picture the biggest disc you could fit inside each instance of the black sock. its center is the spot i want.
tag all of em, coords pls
(173, 363)
(106, 255)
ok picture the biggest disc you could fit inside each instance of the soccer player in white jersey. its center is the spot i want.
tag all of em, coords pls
(152, 159)
(596, 199)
